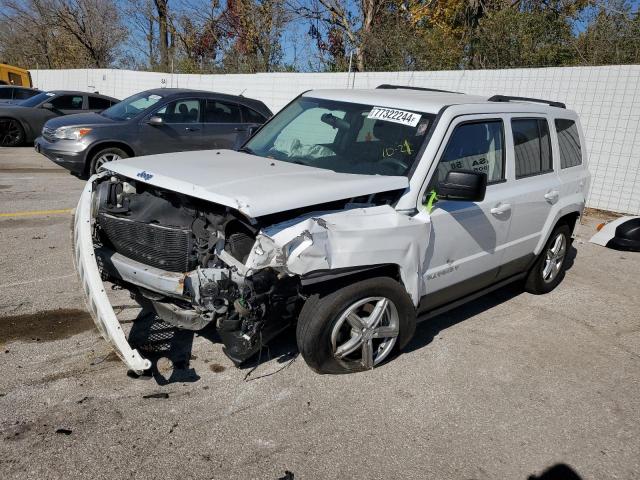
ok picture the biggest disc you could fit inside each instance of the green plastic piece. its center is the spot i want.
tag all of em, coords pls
(433, 198)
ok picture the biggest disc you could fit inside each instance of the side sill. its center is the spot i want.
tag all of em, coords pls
(461, 301)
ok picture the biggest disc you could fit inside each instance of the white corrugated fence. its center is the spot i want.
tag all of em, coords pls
(606, 98)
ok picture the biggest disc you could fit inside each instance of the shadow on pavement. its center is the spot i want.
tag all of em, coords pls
(159, 341)
(560, 471)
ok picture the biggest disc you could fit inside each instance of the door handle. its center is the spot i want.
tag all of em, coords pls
(501, 209)
(552, 196)
(192, 129)
(240, 129)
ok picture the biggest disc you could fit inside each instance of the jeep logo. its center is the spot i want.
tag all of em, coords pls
(145, 176)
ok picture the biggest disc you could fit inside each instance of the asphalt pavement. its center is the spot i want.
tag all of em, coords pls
(503, 388)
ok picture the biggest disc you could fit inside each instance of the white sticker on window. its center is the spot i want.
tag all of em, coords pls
(396, 116)
(49, 94)
(154, 97)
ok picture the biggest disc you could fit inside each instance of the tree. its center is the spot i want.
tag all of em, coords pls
(60, 33)
(612, 36)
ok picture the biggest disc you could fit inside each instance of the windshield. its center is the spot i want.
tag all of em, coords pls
(36, 99)
(344, 137)
(132, 106)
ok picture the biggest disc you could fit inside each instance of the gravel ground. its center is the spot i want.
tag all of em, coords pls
(503, 388)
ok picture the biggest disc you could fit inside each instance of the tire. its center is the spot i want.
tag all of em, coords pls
(11, 133)
(324, 329)
(106, 155)
(549, 269)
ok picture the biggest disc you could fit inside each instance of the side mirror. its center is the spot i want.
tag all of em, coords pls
(463, 185)
(155, 121)
(48, 106)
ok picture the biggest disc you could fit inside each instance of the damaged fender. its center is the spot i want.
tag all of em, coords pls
(351, 238)
(97, 300)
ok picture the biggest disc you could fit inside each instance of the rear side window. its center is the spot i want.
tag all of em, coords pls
(251, 116)
(221, 112)
(569, 141)
(476, 146)
(68, 102)
(97, 103)
(5, 93)
(532, 146)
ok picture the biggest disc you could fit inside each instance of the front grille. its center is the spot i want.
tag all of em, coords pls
(167, 248)
(48, 134)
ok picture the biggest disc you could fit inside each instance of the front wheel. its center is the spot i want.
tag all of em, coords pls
(548, 270)
(355, 328)
(105, 156)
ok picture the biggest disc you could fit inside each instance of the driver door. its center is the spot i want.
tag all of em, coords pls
(467, 238)
(180, 130)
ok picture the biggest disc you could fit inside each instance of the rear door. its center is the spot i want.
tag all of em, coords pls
(468, 238)
(533, 191)
(180, 131)
(223, 126)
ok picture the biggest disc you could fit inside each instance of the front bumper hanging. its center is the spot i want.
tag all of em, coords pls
(97, 300)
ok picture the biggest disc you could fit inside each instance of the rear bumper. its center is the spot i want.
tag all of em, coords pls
(97, 300)
(71, 158)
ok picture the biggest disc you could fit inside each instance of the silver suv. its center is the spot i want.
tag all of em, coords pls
(351, 213)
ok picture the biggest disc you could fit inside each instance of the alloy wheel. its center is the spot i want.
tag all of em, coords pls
(11, 134)
(105, 158)
(554, 258)
(366, 331)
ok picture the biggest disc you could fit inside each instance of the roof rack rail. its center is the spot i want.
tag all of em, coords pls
(386, 86)
(508, 98)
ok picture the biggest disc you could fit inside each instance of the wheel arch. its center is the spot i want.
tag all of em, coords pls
(325, 281)
(568, 216)
(96, 147)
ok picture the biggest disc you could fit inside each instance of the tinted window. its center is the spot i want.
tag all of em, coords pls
(37, 99)
(23, 93)
(180, 111)
(251, 116)
(68, 102)
(97, 103)
(477, 146)
(5, 93)
(569, 141)
(532, 146)
(222, 112)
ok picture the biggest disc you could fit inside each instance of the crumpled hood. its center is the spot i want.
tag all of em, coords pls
(90, 119)
(253, 185)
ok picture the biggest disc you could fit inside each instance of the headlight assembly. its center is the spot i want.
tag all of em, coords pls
(71, 133)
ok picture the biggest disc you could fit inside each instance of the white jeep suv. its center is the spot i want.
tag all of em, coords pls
(353, 213)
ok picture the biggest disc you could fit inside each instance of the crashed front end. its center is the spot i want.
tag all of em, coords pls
(196, 262)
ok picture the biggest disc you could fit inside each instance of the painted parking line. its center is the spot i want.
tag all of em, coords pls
(35, 213)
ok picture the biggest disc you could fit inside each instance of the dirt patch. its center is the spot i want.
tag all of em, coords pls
(601, 214)
(30, 222)
(216, 368)
(44, 326)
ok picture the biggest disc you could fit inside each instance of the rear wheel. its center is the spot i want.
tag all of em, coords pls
(11, 133)
(549, 269)
(107, 155)
(356, 327)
